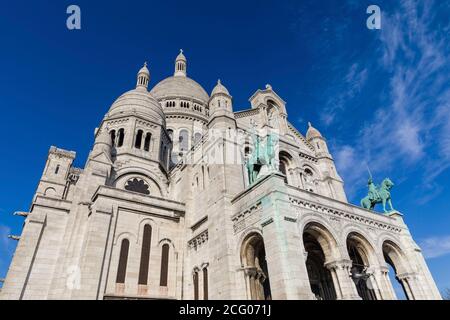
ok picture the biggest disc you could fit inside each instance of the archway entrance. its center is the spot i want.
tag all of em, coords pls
(394, 258)
(318, 247)
(253, 257)
(358, 251)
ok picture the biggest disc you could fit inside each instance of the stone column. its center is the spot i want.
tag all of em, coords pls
(387, 290)
(374, 282)
(412, 286)
(343, 283)
(286, 265)
(405, 280)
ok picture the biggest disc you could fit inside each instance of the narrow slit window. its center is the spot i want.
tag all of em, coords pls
(205, 284)
(148, 138)
(138, 141)
(164, 266)
(123, 260)
(145, 255)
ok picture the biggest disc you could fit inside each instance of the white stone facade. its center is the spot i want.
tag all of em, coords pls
(163, 209)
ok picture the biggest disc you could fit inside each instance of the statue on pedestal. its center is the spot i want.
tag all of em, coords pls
(378, 195)
(262, 160)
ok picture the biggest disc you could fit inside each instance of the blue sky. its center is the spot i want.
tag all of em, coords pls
(380, 97)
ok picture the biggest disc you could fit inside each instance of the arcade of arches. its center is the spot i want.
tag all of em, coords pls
(332, 275)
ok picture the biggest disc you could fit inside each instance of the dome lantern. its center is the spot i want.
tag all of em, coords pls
(143, 77)
(180, 65)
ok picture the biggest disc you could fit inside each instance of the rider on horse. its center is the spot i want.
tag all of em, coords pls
(373, 191)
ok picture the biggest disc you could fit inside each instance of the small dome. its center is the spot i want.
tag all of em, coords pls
(181, 56)
(144, 70)
(140, 102)
(179, 87)
(312, 132)
(219, 88)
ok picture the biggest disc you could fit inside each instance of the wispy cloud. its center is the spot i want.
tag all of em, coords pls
(435, 247)
(416, 118)
(354, 81)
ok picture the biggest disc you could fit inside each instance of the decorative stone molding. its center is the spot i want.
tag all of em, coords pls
(246, 113)
(146, 124)
(267, 222)
(62, 153)
(300, 136)
(117, 122)
(198, 240)
(307, 157)
(407, 276)
(341, 214)
(246, 217)
(290, 219)
(343, 264)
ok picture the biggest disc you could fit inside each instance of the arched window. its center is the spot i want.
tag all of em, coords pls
(205, 284)
(113, 137)
(195, 280)
(197, 137)
(319, 246)
(357, 250)
(285, 159)
(57, 169)
(184, 140)
(121, 137)
(145, 254)
(283, 170)
(164, 265)
(170, 133)
(148, 138)
(138, 142)
(137, 185)
(123, 259)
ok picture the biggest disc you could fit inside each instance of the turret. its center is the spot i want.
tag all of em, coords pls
(315, 138)
(326, 162)
(180, 65)
(143, 78)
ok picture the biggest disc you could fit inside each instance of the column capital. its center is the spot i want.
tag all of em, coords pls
(407, 276)
(339, 264)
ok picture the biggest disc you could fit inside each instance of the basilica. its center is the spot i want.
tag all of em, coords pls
(181, 197)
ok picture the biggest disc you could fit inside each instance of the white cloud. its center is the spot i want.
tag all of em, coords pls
(354, 80)
(435, 247)
(416, 118)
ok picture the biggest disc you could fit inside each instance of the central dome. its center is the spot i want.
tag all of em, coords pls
(138, 101)
(180, 87)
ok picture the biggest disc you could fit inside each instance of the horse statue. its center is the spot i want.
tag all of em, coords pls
(378, 195)
(262, 157)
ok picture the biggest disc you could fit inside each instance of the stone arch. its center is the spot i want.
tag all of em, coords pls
(166, 241)
(312, 217)
(322, 232)
(131, 236)
(276, 101)
(320, 248)
(363, 257)
(253, 259)
(308, 176)
(155, 230)
(394, 256)
(286, 162)
(50, 192)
